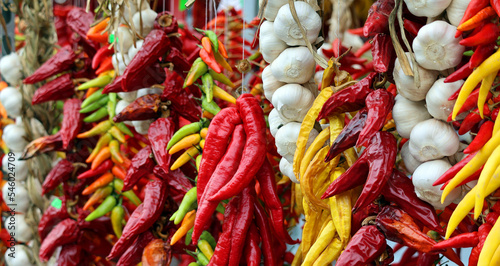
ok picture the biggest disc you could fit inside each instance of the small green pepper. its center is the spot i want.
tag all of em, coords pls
(106, 206)
(97, 115)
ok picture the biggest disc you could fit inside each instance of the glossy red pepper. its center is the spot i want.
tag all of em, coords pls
(482, 233)
(63, 60)
(378, 18)
(209, 59)
(487, 35)
(223, 173)
(470, 103)
(481, 53)
(364, 247)
(223, 248)
(379, 104)
(483, 135)
(492, 218)
(255, 147)
(495, 4)
(365, 48)
(63, 233)
(461, 241)
(60, 88)
(400, 190)
(252, 250)
(472, 119)
(461, 73)
(143, 108)
(220, 130)
(159, 134)
(349, 135)
(101, 169)
(349, 99)
(51, 217)
(72, 121)
(358, 217)
(268, 249)
(411, 26)
(474, 176)
(473, 8)
(60, 173)
(450, 173)
(133, 254)
(101, 54)
(383, 52)
(141, 164)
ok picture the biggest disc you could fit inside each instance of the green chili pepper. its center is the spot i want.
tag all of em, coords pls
(185, 206)
(101, 143)
(197, 69)
(106, 206)
(117, 215)
(221, 78)
(202, 259)
(97, 82)
(469, 53)
(118, 185)
(220, 208)
(97, 115)
(92, 98)
(100, 128)
(95, 105)
(124, 129)
(194, 264)
(115, 132)
(210, 107)
(209, 238)
(112, 105)
(198, 162)
(189, 237)
(185, 131)
(208, 86)
(212, 36)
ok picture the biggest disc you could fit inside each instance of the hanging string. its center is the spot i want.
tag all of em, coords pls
(206, 14)
(338, 26)
(172, 6)
(244, 89)
(215, 10)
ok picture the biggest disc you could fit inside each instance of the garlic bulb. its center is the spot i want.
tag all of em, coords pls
(287, 169)
(10, 67)
(436, 47)
(128, 96)
(294, 65)
(132, 51)
(146, 91)
(275, 122)
(120, 62)
(286, 139)
(269, 83)
(292, 102)
(270, 45)
(433, 139)
(20, 257)
(20, 170)
(272, 8)
(13, 192)
(410, 162)
(406, 85)
(15, 137)
(427, 8)
(288, 30)
(456, 11)
(21, 230)
(459, 155)
(142, 126)
(425, 175)
(148, 20)
(407, 114)
(124, 38)
(12, 101)
(437, 98)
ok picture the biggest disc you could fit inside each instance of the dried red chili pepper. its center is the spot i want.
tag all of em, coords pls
(252, 250)
(42, 145)
(378, 18)
(223, 248)
(159, 134)
(181, 102)
(63, 60)
(59, 173)
(70, 255)
(383, 52)
(223, 173)
(349, 135)
(79, 20)
(52, 216)
(270, 258)
(180, 62)
(461, 241)
(123, 243)
(483, 135)
(364, 247)
(267, 183)
(400, 190)
(379, 104)
(133, 255)
(60, 88)
(143, 108)
(487, 35)
(461, 73)
(166, 22)
(155, 45)
(63, 233)
(220, 130)
(255, 147)
(94, 243)
(72, 121)
(482, 233)
(101, 225)
(349, 99)
(472, 119)
(427, 259)
(141, 164)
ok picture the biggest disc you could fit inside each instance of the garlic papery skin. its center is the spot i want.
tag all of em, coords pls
(433, 139)
(286, 139)
(15, 137)
(292, 102)
(120, 62)
(287, 169)
(142, 126)
(270, 45)
(269, 83)
(146, 91)
(423, 178)
(410, 162)
(21, 256)
(288, 30)
(272, 8)
(129, 96)
(132, 51)
(437, 98)
(294, 65)
(427, 8)
(20, 199)
(125, 40)
(148, 20)
(12, 101)
(436, 47)
(21, 230)
(19, 166)
(406, 84)
(407, 114)
(11, 68)
(275, 122)
(456, 11)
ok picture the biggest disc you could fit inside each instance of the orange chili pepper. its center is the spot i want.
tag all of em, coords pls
(100, 193)
(222, 50)
(207, 44)
(126, 162)
(203, 132)
(210, 60)
(101, 157)
(477, 19)
(91, 91)
(186, 225)
(100, 37)
(119, 172)
(99, 26)
(100, 182)
(208, 115)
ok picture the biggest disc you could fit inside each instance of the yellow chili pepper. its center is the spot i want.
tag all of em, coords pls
(185, 157)
(489, 66)
(299, 199)
(186, 225)
(472, 166)
(317, 144)
(496, 127)
(331, 253)
(187, 142)
(484, 180)
(223, 95)
(205, 248)
(100, 128)
(326, 81)
(483, 91)
(114, 149)
(310, 228)
(321, 243)
(316, 167)
(117, 134)
(350, 156)
(340, 208)
(495, 260)
(336, 126)
(101, 143)
(490, 245)
(284, 180)
(297, 260)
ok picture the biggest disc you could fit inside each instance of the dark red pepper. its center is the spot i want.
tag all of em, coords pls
(268, 249)
(364, 247)
(60, 88)
(143, 108)
(472, 119)
(94, 243)
(160, 132)
(60, 173)
(223, 248)
(427, 259)
(180, 62)
(382, 52)
(63, 233)
(70, 255)
(411, 26)
(166, 22)
(482, 233)
(461, 73)
(63, 60)
(378, 18)
(182, 104)
(79, 20)
(379, 104)
(252, 250)
(101, 54)
(141, 164)
(470, 103)
(487, 35)
(483, 135)
(461, 241)
(51, 217)
(101, 169)
(72, 121)
(133, 255)
(481, 53)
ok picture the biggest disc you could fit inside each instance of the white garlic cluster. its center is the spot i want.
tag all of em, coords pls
(287, 80)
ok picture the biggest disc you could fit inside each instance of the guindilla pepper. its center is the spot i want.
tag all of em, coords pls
(252, 159)
(488, 34)
(60, 173)
(160, 132)
(208, 86)
(252, 250)
(106, 206)
(223, 248)
(379, 104)
(100, 128)
(483, 135)
(103, 101)
(141, 164)
(364, 247)
(101, 169)
(185, 206)
(199, 68)
(266, 235)
(60, 88)
(100, 82)
(117, 215)
(63, 60)
(99, 194)
(143, 108)
(186, 130)
(63, 233)
(94, 97)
